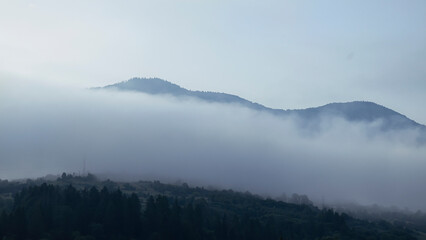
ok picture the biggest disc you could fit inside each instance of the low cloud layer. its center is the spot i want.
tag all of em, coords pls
(137, 136)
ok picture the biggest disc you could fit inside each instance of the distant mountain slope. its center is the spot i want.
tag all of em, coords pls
(361, 111)
(351, 111)
(160, 86)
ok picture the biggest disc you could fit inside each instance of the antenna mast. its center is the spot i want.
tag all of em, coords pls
(84, 167)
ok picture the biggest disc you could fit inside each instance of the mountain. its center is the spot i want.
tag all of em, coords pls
(159, 86)
(358, 111)
(361, 111)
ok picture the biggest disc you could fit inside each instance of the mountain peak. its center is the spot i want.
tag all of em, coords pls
(361, 111)
(150, 85)
(159, 86)
(358, 110)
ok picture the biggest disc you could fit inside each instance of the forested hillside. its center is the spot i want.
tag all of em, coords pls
(83, 208)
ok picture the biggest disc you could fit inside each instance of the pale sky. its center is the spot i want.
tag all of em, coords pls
(282, 54)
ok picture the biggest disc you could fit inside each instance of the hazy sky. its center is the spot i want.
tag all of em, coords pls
(283, 54)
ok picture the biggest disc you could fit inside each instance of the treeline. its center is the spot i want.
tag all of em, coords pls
(400, 217)
(53, 212)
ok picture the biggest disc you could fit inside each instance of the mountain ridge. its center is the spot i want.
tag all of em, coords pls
(355, 111)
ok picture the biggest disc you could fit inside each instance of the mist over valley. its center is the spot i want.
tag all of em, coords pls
(338, 152)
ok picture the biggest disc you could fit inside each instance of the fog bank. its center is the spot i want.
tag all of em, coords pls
(137, 136)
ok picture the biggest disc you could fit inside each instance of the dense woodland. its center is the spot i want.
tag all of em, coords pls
(83, 208)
